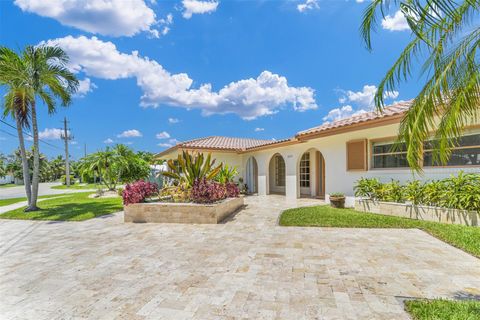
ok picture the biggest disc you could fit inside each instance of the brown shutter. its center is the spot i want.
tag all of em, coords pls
(357, 155)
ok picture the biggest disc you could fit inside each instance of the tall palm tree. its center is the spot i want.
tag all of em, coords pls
(43, 75)
(446, 37)
(17, 104)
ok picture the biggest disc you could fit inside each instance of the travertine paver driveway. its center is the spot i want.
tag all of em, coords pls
(245, 268)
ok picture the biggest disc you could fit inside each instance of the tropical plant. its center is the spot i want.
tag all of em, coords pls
(232, 190)
(113, 165)
(392, 191)
(139, 191)
(446, 36)
(434, 192)
(226, 174)
(189, 167)
(39, 72)
(337, 195)
(207, 191)
(415, 192)
(175, 193)
(462, 192)
(367, 188)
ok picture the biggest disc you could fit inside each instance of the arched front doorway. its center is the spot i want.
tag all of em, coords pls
(277, 173)
(251, 175)
(311, 174)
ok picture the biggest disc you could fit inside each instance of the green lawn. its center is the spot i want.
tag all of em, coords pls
(9, 185)
(6, 202)
(462, 237)
(71, 207)
(443, 309)
(88, 186)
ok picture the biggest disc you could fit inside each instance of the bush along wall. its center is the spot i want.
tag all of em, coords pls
(457, 192)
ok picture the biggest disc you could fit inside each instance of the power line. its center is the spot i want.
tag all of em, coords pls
(28, 134)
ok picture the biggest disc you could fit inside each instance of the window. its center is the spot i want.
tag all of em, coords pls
(305, 170)
(386, 155)
(466, 152)
(279, 171)
(357, 155)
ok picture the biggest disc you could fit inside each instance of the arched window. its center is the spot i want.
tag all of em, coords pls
(279, 171)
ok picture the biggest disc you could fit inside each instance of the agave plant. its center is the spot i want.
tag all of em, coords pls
(191, 167)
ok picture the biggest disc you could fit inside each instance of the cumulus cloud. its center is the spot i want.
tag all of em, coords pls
(365, 97)
(85, 86)
(105, 17)
(192, 7)
(308, 5)
(133, 133)
(362, 100)
(248, 98)
(50, 134)
(397, 22)
(173, 120)
(108, 141)
(163, 135)
(259, 129)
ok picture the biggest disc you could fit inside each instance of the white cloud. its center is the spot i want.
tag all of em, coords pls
(85, 86)
(249, 98)
(133, 133)
(397, 22)
(365, 98)
(108, 141)
(173, 120)
(339, 113)
(198, 7)
(173, 141)
(50, 134)
(308, 5)
(163, 135)
(165, 145)
(105, 17)
(73, 142)
(259, 129)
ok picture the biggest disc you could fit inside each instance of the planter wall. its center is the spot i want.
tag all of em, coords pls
(426, 213)
(164, 212)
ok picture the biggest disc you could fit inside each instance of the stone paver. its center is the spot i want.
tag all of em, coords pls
(246, 268)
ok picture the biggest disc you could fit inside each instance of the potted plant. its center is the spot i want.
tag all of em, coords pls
(337, 200)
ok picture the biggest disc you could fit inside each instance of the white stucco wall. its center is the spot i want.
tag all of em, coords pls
(333, 149)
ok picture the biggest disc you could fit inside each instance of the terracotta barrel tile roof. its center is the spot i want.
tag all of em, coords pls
(392, 110)
(225, 143)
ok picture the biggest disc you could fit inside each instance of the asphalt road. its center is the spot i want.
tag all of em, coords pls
(44, 189)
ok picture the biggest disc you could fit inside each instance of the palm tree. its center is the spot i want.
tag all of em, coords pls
(42, 74)
(17, 104)
(446, 36)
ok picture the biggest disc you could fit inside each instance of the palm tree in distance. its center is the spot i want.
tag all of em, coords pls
(446, 37)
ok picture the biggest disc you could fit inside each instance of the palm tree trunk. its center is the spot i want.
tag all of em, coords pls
(23, 155)
(32, 206)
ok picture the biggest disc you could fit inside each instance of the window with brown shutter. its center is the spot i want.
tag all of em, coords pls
(357, 155)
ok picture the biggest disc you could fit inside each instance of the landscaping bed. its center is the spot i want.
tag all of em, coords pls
(166, 212)
(418, 212)
(440, 309)
(463, 237)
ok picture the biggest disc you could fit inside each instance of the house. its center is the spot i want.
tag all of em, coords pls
(331, 157)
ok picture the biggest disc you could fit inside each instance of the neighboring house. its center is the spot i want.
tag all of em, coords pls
(7, 179)
(331, 157)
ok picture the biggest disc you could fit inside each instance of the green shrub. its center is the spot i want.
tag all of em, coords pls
(120, 191)
(63, 179)
(226, 174)
(457, 192)
(368, 188)
(415, 192)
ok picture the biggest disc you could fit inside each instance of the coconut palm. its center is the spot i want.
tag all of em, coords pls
(446, 37)
(41, 73)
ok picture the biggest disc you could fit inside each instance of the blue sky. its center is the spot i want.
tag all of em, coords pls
(157, 72)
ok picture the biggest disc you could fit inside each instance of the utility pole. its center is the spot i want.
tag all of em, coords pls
(66, 137)
(85, 150)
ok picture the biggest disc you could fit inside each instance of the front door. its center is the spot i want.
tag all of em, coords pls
(305, 175)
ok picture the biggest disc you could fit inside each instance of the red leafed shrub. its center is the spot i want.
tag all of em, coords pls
(232, 190)
(138, 191)
(205, 191)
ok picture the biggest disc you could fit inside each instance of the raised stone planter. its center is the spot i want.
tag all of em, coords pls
(164, 212)
(435, 214)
